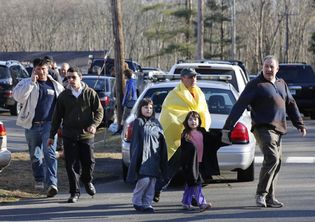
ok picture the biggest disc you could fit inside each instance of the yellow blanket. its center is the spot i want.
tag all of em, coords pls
(176, 105)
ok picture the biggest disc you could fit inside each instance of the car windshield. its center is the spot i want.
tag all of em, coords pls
(296, 74)
(220, 101)
(98, 84)
(212, 71)
(4, 72)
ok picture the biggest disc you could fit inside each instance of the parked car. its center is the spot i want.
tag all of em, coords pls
(104, 66)
(300, 78)
(5, 154)
(233, 68)
(220, 96)
(11, 72)
(104, 86)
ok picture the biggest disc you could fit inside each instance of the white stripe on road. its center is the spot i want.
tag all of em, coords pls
(259, 159)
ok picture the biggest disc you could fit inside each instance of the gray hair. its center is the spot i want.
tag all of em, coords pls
(271, 57)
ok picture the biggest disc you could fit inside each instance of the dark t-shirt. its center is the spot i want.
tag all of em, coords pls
(46, 101)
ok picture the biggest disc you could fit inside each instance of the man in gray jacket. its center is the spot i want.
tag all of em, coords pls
(38, 95)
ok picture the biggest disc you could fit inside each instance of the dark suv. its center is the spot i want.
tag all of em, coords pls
(11, 72)
(300, 78)
(98, 64)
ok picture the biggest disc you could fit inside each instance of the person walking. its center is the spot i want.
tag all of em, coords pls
(148, 156)
(79, 110)
(270, 101)
(63, 71)
(52, 68)
(130, 93)
(195, 156)
(38, 95)
(185, 97)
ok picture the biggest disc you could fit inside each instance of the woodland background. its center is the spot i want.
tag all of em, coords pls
(160, 32)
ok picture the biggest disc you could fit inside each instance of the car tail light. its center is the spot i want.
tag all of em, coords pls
(239, 134)
(3, 131)
(128, 132)
(8, 93)
(105, 101)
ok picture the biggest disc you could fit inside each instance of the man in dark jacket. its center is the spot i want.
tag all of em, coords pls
(270, 101)
(79, 110)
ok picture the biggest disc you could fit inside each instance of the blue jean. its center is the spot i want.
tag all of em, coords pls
(43, 157)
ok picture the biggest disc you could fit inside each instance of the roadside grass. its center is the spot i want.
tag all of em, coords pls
(16, 181)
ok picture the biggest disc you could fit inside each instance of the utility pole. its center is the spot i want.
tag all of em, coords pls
(119, 54)
(233, 31)
(200, 30)
(287, 14)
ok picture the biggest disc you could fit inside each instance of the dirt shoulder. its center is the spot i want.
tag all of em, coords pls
(16, 181)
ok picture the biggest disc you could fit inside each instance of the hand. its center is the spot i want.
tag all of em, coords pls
(91, 129)
(34, 77)
(226, 136)
(50, 142)
(303, 131)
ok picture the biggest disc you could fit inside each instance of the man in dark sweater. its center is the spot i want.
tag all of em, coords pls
(79, 110)
(270, 100)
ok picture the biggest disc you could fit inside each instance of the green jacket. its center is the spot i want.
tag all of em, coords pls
(77, 114)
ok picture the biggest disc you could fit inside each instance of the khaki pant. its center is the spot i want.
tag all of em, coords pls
(269, 142)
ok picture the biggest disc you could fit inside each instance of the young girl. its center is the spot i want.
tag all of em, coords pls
(148, 156)
(195, 161)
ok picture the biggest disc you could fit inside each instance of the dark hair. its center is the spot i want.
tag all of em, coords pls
(49, 58)
(185, 123)
(39, 62)
(128, 73)
(75, 69)
(144, 102)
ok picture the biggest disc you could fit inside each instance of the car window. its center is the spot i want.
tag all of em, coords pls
(296, 74)
(211, 71)
(96, 84)
(220, 101)
(4, 72)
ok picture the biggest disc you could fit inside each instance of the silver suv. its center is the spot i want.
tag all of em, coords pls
(216, 67)
(11, 72)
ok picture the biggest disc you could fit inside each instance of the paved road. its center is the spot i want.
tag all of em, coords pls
(232, 201)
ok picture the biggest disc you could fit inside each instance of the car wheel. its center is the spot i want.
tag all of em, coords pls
(15, 109)
(247, 174)
(124, 171)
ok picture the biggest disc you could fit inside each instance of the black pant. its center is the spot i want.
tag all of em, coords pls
(79, 153)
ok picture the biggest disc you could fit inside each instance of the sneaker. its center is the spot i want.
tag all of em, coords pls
(156, 197)
(204, 207)
(90, 189)
(138, 207)
(39, 185)
(74, 198)
(274, 203)
(187, 207)
(260, 201)
(148, 210)
(52, 191)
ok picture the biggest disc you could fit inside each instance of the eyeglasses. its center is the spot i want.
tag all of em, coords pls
(71, 77)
